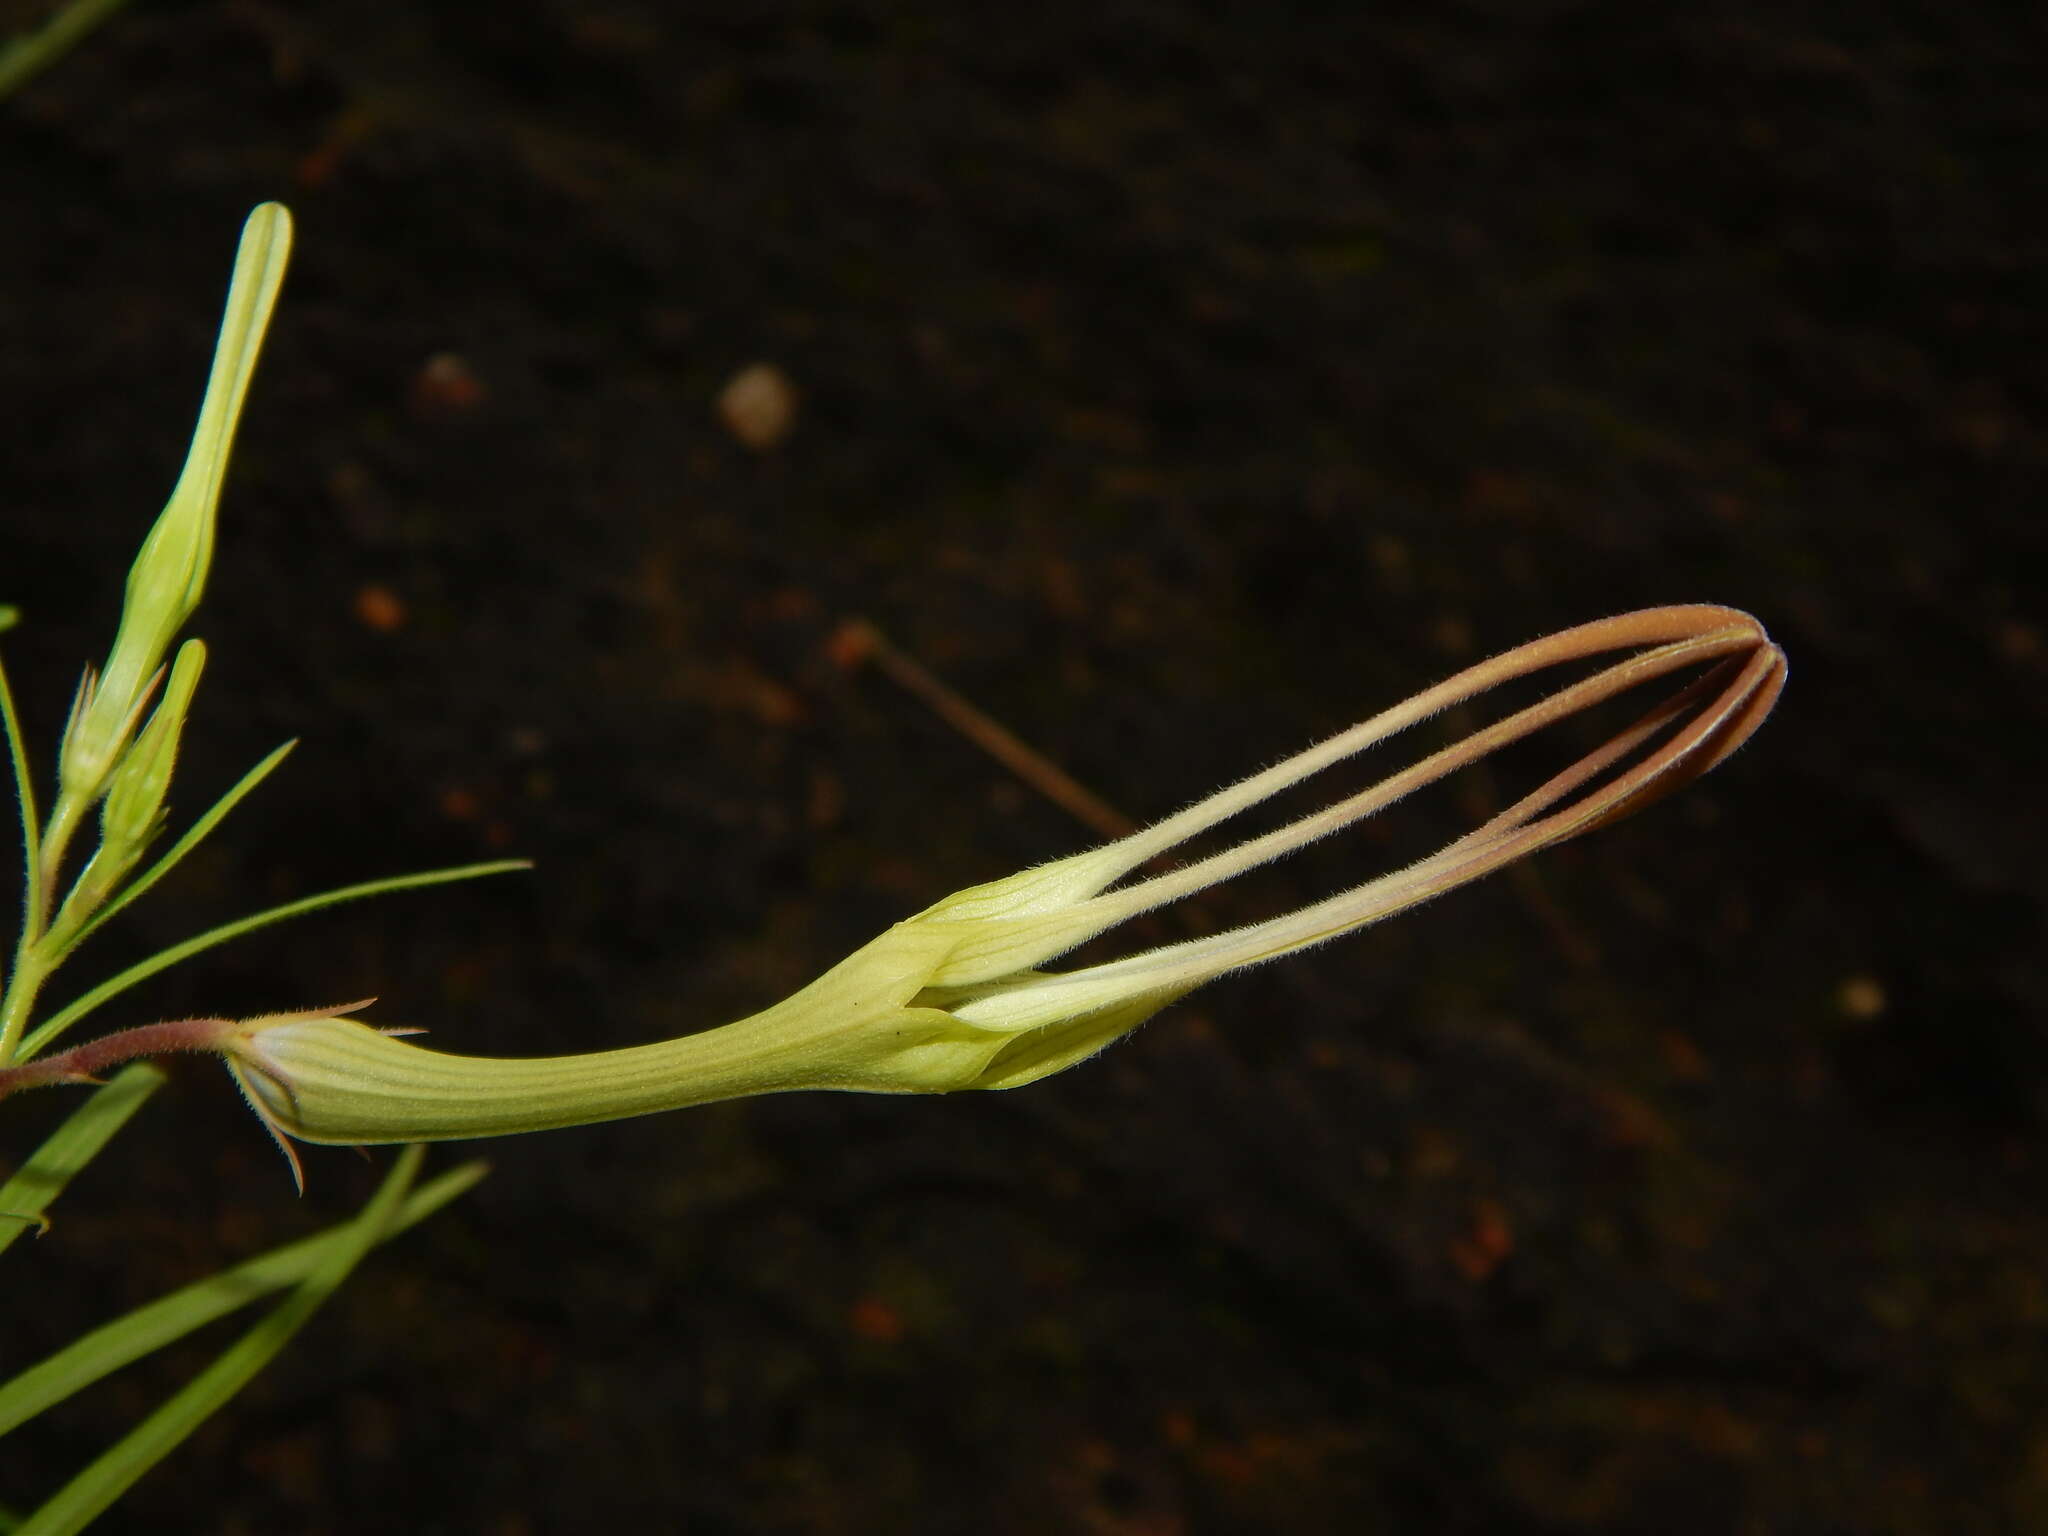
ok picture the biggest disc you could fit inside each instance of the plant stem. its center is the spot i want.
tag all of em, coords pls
(82, 1063)
(31, 969)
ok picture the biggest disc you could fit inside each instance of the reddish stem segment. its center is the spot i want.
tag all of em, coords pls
(84, 1063)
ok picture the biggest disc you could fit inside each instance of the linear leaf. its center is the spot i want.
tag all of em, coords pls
(28, 55)
(163, 959)
(105, 1350)
(25, 792)
(184, 845)
(70, 1147)
(81, 1500)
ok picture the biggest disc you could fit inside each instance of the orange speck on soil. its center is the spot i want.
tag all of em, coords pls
(378, 608)
(873, 1319)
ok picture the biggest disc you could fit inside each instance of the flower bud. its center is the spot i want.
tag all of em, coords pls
(169, 574)
(133, 809)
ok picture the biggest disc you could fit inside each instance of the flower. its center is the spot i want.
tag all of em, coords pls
(955, 997)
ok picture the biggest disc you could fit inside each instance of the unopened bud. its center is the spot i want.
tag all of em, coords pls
(169, 575)
(135, 797)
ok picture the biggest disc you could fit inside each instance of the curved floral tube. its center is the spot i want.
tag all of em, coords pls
(956, 997)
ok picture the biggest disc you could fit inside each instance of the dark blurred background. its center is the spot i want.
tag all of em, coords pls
(1181, 383)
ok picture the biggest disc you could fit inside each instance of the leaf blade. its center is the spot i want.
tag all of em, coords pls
(185, 844)
(25, 793)
(88, 1494)
(150, 1327)
(66, 1150)
(164, 959)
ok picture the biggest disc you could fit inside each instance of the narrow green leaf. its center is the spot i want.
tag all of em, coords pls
(25, 792)
(164, 959)
(80, 1501)
(28, 55)
(184, 845)
(9, 617)
(105, 1350)
(70, 1147)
